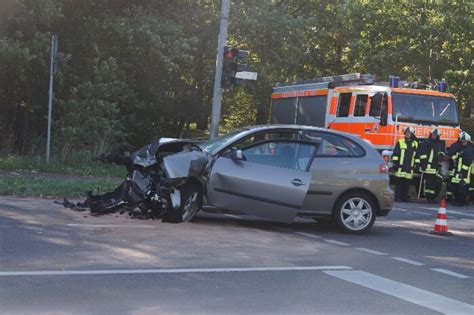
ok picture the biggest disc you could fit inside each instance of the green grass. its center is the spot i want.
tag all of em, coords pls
(81, 167)
(29, 186)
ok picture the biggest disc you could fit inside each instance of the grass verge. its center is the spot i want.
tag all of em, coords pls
(81, 167)
(43, 187)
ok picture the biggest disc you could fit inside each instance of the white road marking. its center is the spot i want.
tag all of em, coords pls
(411, 211)
(405, 292)
(393, 224)
(399, 209)
(159, 271)
(457, 232)
(337, 242)
(232, 216)
(371, 251)
(453, 211)
(307, 234)
(450, 273)
(423, 213)
(408, 261)
(112, 225)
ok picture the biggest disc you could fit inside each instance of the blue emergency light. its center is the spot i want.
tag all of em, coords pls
(394, 81)
(442, 86)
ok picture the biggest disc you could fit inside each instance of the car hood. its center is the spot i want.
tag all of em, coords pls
(146, 156)
(185, 164)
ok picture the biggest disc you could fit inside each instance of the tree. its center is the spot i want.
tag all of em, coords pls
(135, 70)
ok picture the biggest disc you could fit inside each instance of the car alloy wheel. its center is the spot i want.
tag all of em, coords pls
(191, 197)
(355, 213)
(191, 206)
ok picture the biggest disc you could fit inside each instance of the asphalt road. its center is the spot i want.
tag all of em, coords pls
(56, 261)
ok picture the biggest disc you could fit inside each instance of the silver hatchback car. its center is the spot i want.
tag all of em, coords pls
(279, 172)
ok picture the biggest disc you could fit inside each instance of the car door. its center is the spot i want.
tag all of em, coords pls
(270, 182)
(335, 168)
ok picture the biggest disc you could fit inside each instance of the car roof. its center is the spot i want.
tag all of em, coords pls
(367, 146)
(298, 127)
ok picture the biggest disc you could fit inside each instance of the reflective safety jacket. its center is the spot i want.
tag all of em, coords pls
(404, 158)
(462, 171)
(453, 152)
(428, 154)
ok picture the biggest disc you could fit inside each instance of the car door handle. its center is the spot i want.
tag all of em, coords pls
(297, 182)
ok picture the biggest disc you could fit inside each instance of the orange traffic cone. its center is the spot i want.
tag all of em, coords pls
(441, 224)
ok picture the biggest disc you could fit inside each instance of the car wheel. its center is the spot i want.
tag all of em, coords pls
(355, 213)
(191, 197)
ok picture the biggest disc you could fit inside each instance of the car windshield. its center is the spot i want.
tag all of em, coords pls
(215, 145)
(425, 108)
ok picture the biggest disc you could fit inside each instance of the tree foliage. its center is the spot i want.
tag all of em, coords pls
(133, 70)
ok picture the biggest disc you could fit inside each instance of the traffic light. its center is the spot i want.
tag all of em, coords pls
(228, 68)
(231, 65)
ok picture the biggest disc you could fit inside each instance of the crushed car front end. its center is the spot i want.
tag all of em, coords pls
(159, 174)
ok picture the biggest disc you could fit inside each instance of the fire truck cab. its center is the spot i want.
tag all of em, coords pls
(376, 112)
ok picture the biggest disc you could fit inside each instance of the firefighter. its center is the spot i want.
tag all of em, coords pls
(429, 154)
(471, 186)
(452, 155)
(461, 179)
(404, 158)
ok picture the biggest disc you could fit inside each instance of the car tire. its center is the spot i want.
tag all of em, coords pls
(355, 213)
(191, 200)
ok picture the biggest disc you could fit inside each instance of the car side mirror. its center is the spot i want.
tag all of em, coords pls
(237, 155)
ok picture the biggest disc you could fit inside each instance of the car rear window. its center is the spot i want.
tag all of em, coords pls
(330, 145)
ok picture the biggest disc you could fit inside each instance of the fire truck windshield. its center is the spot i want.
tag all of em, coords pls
(425, 109)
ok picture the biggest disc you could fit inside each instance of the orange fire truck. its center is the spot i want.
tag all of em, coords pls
(377, 112)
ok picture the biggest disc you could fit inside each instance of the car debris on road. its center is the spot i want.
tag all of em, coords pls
(145, 190)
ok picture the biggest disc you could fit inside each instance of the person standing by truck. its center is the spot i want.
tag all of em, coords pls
(429, 154)
(461, 179)
(404, 158)
(452, 155)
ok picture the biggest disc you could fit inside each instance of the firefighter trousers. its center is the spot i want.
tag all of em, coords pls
(402, 185)
(461, 191)
(431, 187)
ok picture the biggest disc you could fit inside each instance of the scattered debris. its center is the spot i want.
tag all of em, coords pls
(147, 191)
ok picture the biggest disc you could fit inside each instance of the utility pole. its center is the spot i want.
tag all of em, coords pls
(216, 98)
(52, 72)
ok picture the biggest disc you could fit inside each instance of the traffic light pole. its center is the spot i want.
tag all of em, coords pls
(216, 98)
(54, 48)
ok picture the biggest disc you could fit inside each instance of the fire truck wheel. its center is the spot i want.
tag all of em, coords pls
(354, 213)
(191, 197)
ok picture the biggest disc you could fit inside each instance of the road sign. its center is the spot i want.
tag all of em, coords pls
(246, 75)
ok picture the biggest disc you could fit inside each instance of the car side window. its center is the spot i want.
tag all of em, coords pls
(287, 154)
(264, 136)
(330, 145)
